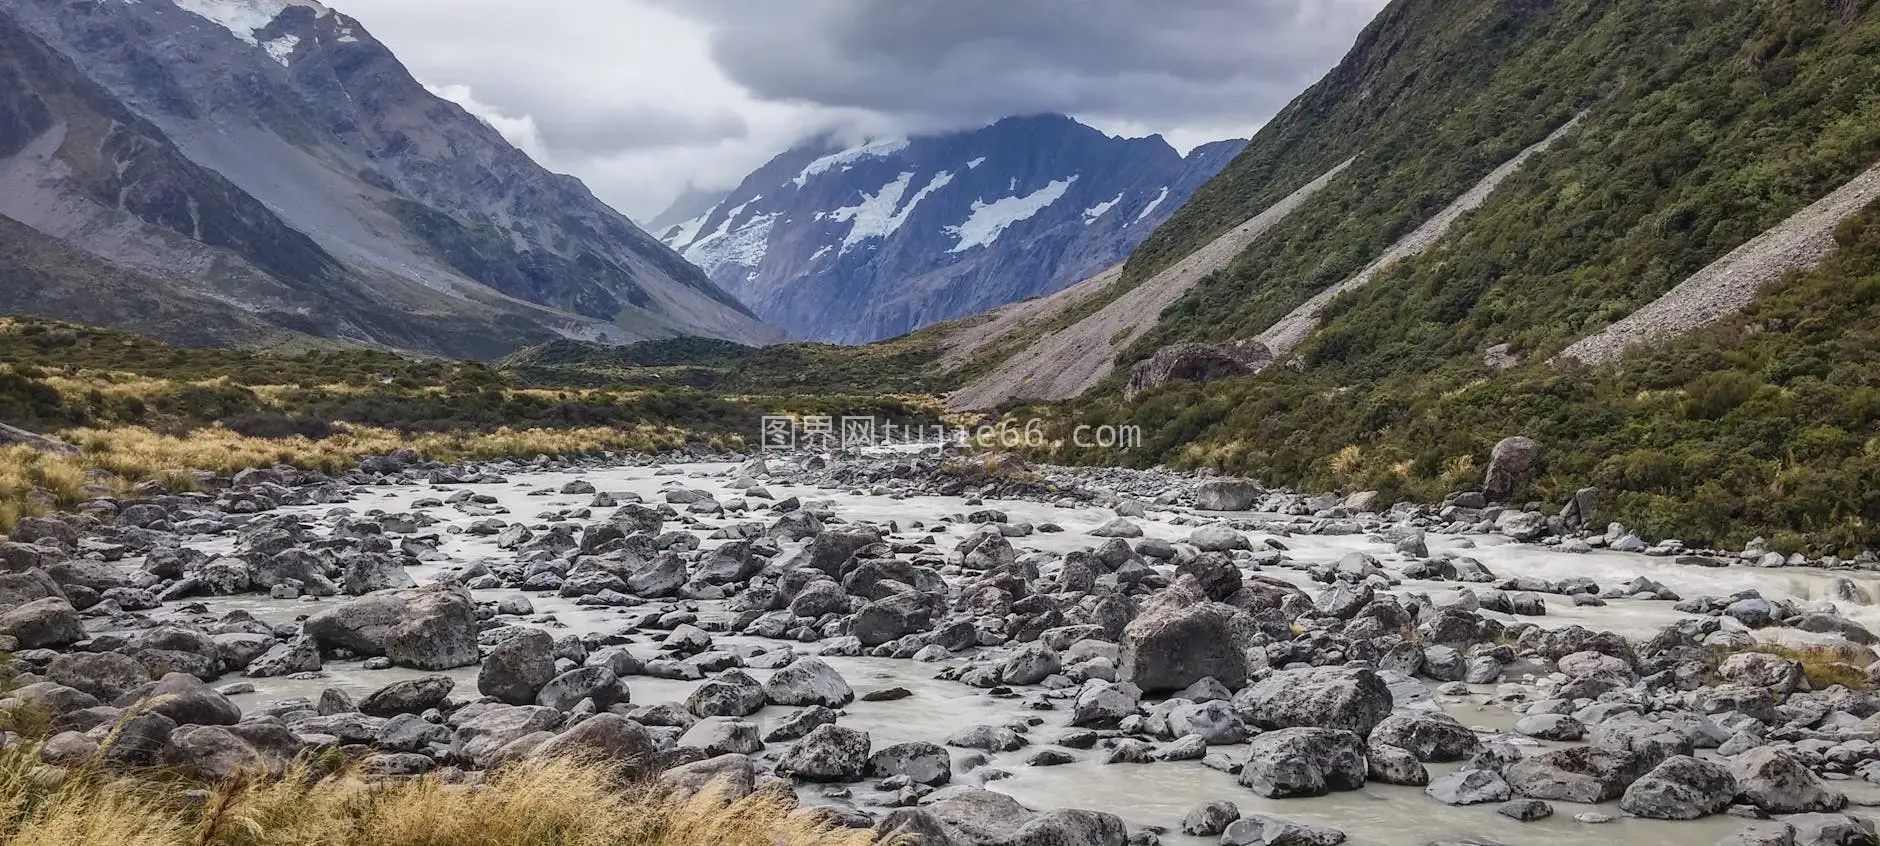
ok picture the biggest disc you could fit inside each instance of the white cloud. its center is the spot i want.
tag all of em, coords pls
(639, 97)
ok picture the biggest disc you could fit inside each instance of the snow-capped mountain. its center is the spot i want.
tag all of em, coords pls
(254, 169)
(868, 242)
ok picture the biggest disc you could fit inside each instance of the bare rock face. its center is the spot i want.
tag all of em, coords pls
(1512, 463)
(1197, 363)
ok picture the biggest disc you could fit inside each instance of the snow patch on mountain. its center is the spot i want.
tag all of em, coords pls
(882, 214)
(990, 220)
(684, 233)
(281, 48)
(245, 17)
(1152, 206)
(743, 246)
(1092, 214)
(879, 149)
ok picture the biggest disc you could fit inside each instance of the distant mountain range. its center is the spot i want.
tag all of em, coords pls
(856, 244)
(260, 171)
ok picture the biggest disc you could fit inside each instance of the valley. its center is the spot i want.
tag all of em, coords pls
(1490, 425)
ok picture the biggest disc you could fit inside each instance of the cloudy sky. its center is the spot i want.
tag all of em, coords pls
(641, 97)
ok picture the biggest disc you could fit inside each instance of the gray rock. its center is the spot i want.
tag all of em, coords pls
(722, 735)
(410, 696)
(1512, 463)
(50, 623)
(1177, 640)
(1335, 698)
(1587, 775)
(1102, 704)
(597, 684)
(1774, 781)
(1392, 765)
(731, 776)
(1304, 762)
(428, 628)
(1030, 664)
(1259, 830)
(829, 753)
(921, 763)
(518, 667)
(1227, 495)
(1681, 788)
(608, 738)
(1210, 819)
(1469, 787)
(732, 694)
(1434, 738)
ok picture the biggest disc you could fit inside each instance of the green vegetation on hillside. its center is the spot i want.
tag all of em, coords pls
(1709, 122)
(1761, 424)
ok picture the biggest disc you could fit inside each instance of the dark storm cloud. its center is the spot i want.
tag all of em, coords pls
(1146, 61)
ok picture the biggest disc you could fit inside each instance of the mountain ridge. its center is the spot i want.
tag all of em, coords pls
(863, 242)
(397, 218)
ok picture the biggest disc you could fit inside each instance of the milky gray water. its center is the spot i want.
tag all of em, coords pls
(1144, 794)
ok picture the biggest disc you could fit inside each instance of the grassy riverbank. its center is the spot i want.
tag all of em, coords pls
(539, 803)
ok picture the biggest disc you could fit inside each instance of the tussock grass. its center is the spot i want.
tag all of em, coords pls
(111, 461)
(538, 803)
(1826, 665)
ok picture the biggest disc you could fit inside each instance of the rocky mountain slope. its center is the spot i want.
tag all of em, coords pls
(270, 166)
(862, 243)
(1712, 205)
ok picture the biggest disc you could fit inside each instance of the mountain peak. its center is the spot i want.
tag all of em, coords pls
(853, 243)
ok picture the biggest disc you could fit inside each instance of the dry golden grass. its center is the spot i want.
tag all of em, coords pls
(1827, 665)
(33, 483)
(539, 803)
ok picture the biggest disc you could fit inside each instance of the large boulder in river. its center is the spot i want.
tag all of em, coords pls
(1774, 781)
(1512, 463)
(1179, 639)
(1228, 495)
(428, 628)
(1324, 697)
(808, 681)
(828, 753)
(1681, 788)
(892, 618)
(1299, 762)
(1433, 738)
(1587, 775)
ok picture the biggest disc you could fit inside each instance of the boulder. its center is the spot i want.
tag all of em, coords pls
(828, 753)
(1513, 462)
(50, 623)
(732, 694)
(1325, 697)
(518, 666)
(428, 628)
(1776, 782)
(921, 763)
(808, 681)
(1177, 640)
(607, 738)
(1433, 738)
(1681, 788)
(1228, 495)
(410, 696)
(1587, 775)
(1261, 830)
(1297, 762)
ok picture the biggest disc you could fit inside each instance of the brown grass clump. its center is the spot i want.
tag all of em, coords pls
(1827, 665)
(538, 803)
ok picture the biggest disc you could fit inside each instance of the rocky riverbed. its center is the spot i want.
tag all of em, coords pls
(964, 659)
